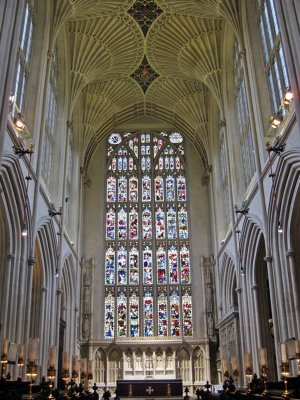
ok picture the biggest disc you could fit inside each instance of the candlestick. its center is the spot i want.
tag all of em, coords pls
(283, 353)
(75, 367)
(284, 369)
(52, 356)
(247, 360)
(33, 349)
(248, 372)
(263, 356)
(264, 372)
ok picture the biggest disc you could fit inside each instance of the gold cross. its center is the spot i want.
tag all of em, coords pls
(149, 390)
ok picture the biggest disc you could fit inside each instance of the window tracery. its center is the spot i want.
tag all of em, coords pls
(147, 260)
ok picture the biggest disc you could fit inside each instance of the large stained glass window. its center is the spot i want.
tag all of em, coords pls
(147, 269)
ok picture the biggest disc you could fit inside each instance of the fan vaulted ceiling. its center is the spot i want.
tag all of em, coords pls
(144, 63)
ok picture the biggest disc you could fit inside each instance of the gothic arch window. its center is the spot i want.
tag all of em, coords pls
(147, 268)
(224, 180)
(242, 112)
(275, 65)
(23, 57)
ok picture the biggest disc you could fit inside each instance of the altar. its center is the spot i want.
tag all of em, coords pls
(150, 388)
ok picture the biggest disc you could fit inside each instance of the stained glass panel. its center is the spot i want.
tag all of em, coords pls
(122, 313)
(122, 189)
(173, 265)
(133, 189)
(160, 224)
(122, 266)
(147, 224)
(134, 266)
(146, 189)
(110, 266)
(183, 223)
(162, 319)
(161, 266)
(133, 224)
(175, 313)
(110, 224)
(134, 315)
(122, 224)
(181, 189)
(148, 313)
(109, 314)
(147, 263)
(185, 265)
(187, 314)
(170, 188)
(111, 189)
(171, 224)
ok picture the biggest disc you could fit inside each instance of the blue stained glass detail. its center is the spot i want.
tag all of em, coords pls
(122, 224)
(183, 224)
(110, 267)
(111, 189)
(133, 224)
(171, 224)
(160, 224)
(134, 315)
(147, 263)
(122, 266)
(173, 265)
(134, 266)
(159, 188)
(110, 224)
(122, 189)
(161, 266)
(148, 314)
(109, 315)
(185, 265)
(122, 314)
(181, 188)
(170, 188)
(133, 189)
(162, 315)
(147, 224)
(146, 188)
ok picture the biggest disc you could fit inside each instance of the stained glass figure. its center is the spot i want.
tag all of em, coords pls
(146, 188)
(122, 189)
(161, 266)
(183, 223)
(143, 163)
(148, 313)
(187, 314)
(110, 266)
(181, 189)
(143, 150)
(122, 266)
(173, 265)
(147, 266)
(111, 189)
(109, 314)
(185, 265)
(147, 224)
(160, 163)
(110, 224)
(133, 188)
(162, 320)
(133, 224)
(159, 188)
(160, 224)
(133, 266)
(134, 315)
(170, 188)
(122, 224)
(131, 164)
(122, 314)
(120, 163)
(148, 163)
(114, 164)
(177, 163)
(175, 313)
(125, 163)
(171, 224)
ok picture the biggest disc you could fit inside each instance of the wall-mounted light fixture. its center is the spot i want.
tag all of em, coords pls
(52, 211)
(288, 96)
(21, 152)
(276, 119)
(19, 121)
(244, 211)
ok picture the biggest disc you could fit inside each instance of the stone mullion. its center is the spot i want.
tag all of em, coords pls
(290, 254)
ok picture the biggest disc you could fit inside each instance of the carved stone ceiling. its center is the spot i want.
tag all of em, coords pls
(138, 64)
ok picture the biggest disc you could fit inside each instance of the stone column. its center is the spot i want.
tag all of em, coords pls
(290, 254)
(6, 287)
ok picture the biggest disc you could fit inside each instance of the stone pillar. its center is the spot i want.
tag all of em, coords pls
(6, 293)
(290, 254)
